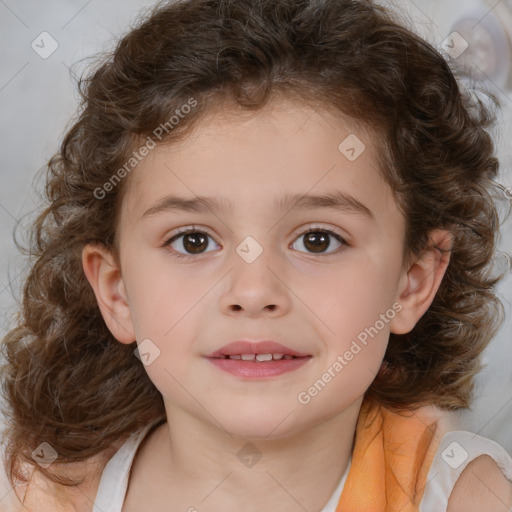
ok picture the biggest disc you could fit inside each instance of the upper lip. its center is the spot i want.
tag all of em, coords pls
(255, 347)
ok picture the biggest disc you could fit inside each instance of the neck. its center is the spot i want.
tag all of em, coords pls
(200, 466)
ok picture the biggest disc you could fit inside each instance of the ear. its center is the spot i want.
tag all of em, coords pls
(420, 282)
(104, 275)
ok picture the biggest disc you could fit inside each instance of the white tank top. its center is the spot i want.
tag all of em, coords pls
(114, 479)
(456, 450)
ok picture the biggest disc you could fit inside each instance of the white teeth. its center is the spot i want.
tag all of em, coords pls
(264, 357)
(260, 357)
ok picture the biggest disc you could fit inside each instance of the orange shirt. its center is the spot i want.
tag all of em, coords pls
(390, 461)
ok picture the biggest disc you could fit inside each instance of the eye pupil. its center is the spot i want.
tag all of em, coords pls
(195, 242)
(319, 241)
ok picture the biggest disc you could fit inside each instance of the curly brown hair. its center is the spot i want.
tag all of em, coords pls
(66, 379)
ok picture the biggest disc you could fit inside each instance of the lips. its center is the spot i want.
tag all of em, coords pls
(256, 351)
(257, 360)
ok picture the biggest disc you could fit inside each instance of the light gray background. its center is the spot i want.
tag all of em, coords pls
(37, 100)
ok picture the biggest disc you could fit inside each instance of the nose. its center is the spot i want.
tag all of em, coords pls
(256, 288)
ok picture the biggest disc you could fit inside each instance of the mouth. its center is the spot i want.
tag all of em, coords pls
(248, 350)
(257, 360)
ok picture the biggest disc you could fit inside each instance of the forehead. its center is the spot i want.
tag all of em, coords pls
(246, 159)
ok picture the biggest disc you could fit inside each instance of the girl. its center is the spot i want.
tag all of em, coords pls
(263, 274)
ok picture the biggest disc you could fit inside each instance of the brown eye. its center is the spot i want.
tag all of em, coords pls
(190, 243)
(317, 241)
(195, 242)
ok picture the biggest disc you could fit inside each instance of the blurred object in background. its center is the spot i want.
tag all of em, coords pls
(488, 33)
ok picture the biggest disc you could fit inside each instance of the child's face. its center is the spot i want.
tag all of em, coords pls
(336, 303)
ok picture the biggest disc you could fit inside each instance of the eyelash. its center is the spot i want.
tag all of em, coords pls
(313, 229)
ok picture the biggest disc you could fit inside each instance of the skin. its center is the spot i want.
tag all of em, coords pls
(481, 486)
(316, 303)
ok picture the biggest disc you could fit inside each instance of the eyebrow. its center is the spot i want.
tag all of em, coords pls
(337, 200)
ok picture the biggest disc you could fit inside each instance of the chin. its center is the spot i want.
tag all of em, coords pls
(265, 424)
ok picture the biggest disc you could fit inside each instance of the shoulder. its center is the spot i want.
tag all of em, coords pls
(468, 473)
(481, 486)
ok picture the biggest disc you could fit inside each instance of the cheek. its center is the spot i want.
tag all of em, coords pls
(354, 296)
(158, 297)
(356, 306)
(172, 361)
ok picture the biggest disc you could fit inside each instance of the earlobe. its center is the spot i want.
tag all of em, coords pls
(104, 276)
(421, 281)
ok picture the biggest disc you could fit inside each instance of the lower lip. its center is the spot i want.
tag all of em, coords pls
(258, 370)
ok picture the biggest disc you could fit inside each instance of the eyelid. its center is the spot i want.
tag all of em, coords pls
(320, 227)
(188, 229)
